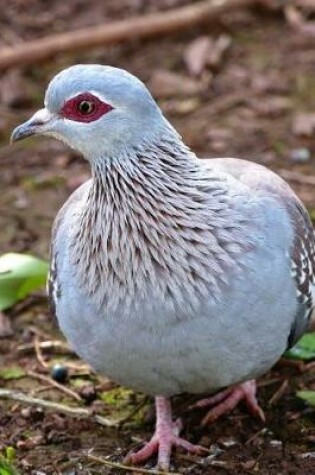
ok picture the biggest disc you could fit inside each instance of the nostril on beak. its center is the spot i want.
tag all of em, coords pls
(37, 123)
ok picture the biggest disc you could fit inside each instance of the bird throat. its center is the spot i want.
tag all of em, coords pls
(152, 226)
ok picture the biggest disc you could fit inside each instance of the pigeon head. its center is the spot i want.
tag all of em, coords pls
(100, 111)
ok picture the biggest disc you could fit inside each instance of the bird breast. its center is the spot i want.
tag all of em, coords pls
(131, 242)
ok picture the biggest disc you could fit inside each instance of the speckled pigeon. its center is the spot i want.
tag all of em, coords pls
(170, 274)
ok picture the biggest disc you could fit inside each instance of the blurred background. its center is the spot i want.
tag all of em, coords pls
(236, 80)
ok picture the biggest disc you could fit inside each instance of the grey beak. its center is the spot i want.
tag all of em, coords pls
(37, 124)
(22, 131)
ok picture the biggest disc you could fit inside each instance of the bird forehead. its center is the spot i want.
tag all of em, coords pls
(106, 82)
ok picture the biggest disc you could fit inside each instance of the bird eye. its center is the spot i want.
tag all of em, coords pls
(86, 107)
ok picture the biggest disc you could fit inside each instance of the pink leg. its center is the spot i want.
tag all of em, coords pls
(228, 399)
(165, 436)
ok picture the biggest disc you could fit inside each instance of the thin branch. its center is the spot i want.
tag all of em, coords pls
(127, 468)
(279, 393)
(38, 353)
(54, 406)
(55, 384)
(105, 34)
(49, 345)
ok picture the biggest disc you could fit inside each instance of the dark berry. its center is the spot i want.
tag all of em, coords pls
(59, 373)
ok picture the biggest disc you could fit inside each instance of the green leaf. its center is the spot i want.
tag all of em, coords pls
(308, 396)
(304, 349)
(6, 468)
(20, 274)
(13, 372)
(78, 382)
(116, 396)
(10, 454)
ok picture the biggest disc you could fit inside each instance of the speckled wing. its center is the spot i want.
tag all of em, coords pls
(52, 283)
(303, 267)
(302, 249)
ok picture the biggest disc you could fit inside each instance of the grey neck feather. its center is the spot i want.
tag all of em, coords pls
(155, 219)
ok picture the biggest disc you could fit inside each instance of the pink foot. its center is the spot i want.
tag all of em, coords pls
(165, 436)
(228, 399)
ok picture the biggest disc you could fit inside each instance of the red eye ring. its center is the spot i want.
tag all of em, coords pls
(85, 107)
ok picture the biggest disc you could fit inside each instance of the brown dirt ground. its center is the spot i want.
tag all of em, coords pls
(249, 110)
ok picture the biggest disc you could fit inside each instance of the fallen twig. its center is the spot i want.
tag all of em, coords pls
(120, 466)
(255, 436)
(268, 382)
(51, 382)
(140, 27)
(54, 406)
(38, 352)
(38, 390)
(50, 345)
(279, 393)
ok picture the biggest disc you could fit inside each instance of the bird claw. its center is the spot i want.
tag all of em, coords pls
(167, 432)
(228, 399)
(165, 437)
(161, 444)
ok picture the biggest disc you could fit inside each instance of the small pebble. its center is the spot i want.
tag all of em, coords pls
(300, 155)
(59, 373)
(34, 413)
(26, 412)
(227, 442)
(275, 443)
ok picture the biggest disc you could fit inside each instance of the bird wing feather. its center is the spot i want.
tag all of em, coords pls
(302, 250)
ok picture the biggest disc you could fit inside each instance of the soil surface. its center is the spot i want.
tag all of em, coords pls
(255, 100)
